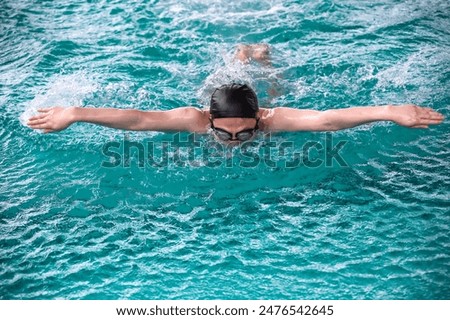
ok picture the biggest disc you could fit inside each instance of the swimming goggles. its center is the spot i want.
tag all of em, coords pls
(243, 135)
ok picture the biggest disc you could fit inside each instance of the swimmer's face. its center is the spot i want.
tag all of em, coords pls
(238, 128)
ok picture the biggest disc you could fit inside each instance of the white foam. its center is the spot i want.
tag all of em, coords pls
(62, 91)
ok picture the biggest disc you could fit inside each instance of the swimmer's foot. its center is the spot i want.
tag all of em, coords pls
(259, 52)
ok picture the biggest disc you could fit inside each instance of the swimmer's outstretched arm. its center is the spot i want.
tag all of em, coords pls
(288, 119)
(179, 119)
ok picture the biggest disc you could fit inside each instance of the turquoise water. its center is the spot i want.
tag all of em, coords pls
(374, 227)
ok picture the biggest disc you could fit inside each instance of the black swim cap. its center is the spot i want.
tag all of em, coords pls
(234, 101)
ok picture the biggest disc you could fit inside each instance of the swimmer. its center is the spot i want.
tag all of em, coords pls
(234, 115)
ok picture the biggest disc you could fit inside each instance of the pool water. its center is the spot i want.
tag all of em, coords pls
(80, 219)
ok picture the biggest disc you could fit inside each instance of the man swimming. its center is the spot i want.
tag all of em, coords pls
(234, 115)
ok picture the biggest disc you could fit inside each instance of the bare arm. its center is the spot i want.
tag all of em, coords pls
(180, 119)
(288, 119)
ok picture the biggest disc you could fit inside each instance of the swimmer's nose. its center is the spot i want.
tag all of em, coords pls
(233, 142)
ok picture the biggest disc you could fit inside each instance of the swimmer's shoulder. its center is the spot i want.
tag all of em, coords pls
(197, 118)
(265, 116)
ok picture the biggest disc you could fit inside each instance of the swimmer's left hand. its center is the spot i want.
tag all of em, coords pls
(413, 116)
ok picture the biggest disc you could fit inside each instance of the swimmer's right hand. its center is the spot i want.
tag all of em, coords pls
(52, 119)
